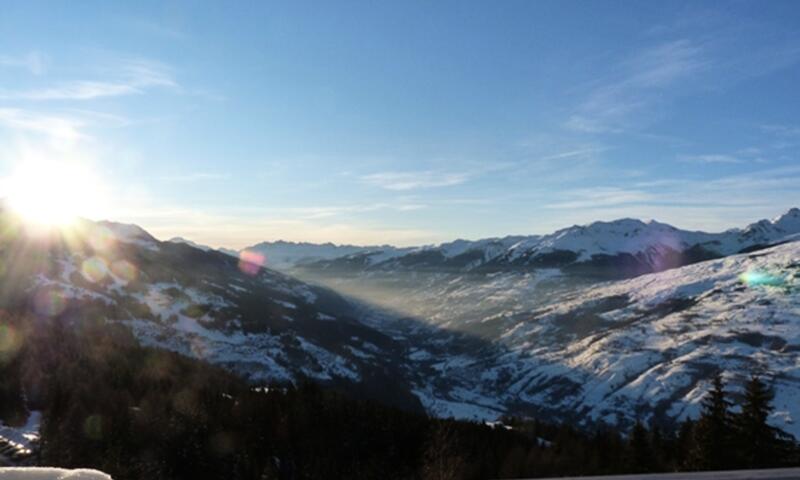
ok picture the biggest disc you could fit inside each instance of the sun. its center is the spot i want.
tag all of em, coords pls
(51, 194)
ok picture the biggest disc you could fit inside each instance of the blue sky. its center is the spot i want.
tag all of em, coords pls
(407, 122)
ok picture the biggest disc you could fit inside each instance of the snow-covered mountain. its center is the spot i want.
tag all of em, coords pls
(641, 349)
(510, 340)
(284, 255)
(257, 322)
(467, 340)
(202, 247)
(618, 249)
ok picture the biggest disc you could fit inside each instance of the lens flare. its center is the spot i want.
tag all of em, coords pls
(94, 269)
(10, 342)
(250, 262)
(49, 302)
(93, 427)
(101, 239)
(754, 278)
(124, 270)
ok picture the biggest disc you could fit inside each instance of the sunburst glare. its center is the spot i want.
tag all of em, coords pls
(52, 194)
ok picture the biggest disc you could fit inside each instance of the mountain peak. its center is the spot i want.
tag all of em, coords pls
(128, 232)
(793, 212)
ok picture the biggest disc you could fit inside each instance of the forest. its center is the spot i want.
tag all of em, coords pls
(136, 412)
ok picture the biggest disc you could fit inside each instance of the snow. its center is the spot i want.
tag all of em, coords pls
(284, 255)
(284, 304)
(637, 358)
(463, 410)
(42, 473)
(21, 438)
(546, 342)
(610, 350)
(647, 240)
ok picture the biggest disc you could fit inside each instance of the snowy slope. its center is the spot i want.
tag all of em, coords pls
(259, 323)
(642, 349)
(654, 340)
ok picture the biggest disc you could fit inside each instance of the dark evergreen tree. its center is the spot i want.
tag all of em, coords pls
(640, 452)
(713, 432)
(757, 442)
(684, 445)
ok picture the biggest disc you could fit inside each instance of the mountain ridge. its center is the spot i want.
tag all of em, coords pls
(576, 243)
(540, 341)
(617, 249)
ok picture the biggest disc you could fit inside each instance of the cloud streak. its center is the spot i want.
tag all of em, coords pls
(599, 197)
(610, 106)
(402, 181)
(34, 62)
(53, 126)
(133, 78)
(194, 177)
(710, 158)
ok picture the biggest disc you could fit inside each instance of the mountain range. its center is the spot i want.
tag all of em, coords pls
(620, 248)
(611, 322)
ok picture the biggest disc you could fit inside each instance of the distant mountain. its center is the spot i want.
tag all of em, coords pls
(204, 248)
(618, 249)
(284, 255)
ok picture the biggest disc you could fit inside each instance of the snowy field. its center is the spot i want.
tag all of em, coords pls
(36, 473)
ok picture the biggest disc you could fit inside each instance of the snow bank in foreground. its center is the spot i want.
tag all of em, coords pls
(35, 473)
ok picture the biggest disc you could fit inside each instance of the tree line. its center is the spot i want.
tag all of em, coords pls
(136, 412)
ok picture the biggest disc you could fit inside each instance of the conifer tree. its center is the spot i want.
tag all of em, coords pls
(758, 444)
(640, 452)
(713, 432)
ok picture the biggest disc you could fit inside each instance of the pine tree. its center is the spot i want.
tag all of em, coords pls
(685, 445)
(713, 432)
(640, 452)
(758, 443)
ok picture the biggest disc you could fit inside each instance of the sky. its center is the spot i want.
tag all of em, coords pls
(407, 123)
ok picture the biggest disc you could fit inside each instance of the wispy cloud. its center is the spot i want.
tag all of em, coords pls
(665, 64)
(757, 186)
(34, 62)
(610, 105)
(578, 153)
(158, 29)
(598, 197)
(791, 131)
(57, 127)
(331, 211)
(710, 205)
(194, 177)
(400, 181)
(132, 77)
(710, 158)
